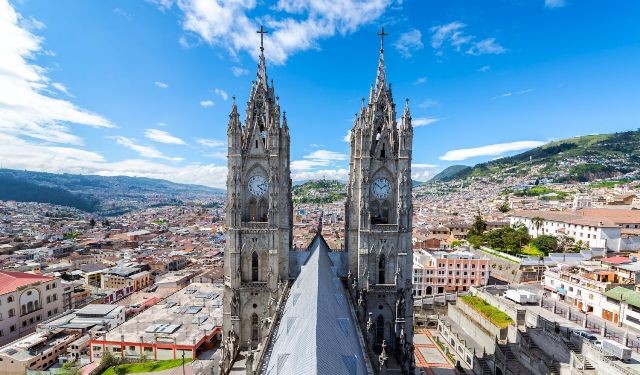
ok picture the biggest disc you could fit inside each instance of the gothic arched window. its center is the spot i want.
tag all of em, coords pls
(255, 327)
(262, 210)
(384, 213)
(253, 209)
(379, 330)
(382, 266)
(255, 267)
(382, 152)
(375, 212)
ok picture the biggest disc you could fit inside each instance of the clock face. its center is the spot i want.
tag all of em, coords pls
(381, 188)
(258, 186)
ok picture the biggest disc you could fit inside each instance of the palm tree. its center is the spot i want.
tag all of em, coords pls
(537, 223)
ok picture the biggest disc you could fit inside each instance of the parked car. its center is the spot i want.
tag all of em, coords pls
(585, 335)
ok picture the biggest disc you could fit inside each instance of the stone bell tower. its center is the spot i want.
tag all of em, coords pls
(379, 220)
(258, 214)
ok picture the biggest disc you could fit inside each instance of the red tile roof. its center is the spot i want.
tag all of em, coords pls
(616, 260)
(10, 281)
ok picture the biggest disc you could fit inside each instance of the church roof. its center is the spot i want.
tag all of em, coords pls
(317, 333)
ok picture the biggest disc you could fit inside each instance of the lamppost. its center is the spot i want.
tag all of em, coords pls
(182, 361)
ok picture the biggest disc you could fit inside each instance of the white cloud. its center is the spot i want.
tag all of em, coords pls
(484, 68)
(207, 103)
(223, 94)
(328, 174)
(490, 150)
(423, 121)
(222, 155)
(409, 42)
(162, 136)
(238, 71)
(144, 151)
(428, 103)
(25, 108)
(318, 158)
(420, 81)
(508, 94)
(20, 154)
(60, 87)
(454, 35)
(554, 3)
(347, 137)
(212, 143)
(161, 85)
(487, 46)
(422, 172)
(294, 25)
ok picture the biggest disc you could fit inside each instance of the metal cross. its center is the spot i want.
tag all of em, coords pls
(262, 31)
(382, 35)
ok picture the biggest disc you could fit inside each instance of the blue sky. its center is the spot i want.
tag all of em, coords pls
(144, 87)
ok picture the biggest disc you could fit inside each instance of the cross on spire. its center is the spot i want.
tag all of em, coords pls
(262, 31)
(382, 34)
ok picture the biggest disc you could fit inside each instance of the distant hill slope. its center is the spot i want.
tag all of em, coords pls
(578, 159)
(107, 195)
(321, 191)
(454, 171)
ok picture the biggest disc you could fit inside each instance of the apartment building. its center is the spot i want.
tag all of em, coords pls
(119, 277)
(440, 272)
(611, 229)
(26, 300)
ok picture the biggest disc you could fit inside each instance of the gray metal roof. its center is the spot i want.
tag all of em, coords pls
(317, 334)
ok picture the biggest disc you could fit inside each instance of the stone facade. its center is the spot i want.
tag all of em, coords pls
(379, 220)
(259, 213)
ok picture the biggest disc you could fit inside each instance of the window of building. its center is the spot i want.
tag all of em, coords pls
(12, 328)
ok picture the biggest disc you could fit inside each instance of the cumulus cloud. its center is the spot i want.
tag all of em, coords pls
(347, 137)
(554, 3)
(316, 159)
(26, 110)
(161, 85)
(162, 136)
(453, 35)
(207, 103)
(423, 172)
(490, 150)
(294, 25)
(18, 153)
(409, 42)
(223, 94)
(144, 151)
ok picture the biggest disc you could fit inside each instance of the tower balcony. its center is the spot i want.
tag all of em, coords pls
(255, 225)
(253, 285)
(383, 288)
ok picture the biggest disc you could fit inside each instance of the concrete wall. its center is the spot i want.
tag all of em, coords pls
(504, 269)
(482, 336)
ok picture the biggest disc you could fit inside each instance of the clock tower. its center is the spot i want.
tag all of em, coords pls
(379, 221)
(258, 214)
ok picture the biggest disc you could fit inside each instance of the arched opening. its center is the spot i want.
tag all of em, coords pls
(379, 332)
(30, 306)
(382, 152)
(375, 212)
(255, 328)
(429, 290)
(384, 213)
(24, 309)
(255, 267)
(253, 209)
(382, 266)
(262, 210)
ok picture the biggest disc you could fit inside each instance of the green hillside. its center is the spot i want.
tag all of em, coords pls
(578, 159)
(321, 191)
(454, 171)
(13, 189)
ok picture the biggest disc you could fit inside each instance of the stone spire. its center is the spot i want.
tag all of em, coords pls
(234, 118)
(381, 76)
(262, 66)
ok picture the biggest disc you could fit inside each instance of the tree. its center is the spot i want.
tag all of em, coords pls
(537, 222)
(546, 243)
(105, 223)
(69, 369)
(92, 222)
(566, 244)
(478, 227)
(504, 207)
(107, 359)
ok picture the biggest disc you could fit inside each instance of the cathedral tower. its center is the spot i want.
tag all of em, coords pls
(379, 220)
(258, 213)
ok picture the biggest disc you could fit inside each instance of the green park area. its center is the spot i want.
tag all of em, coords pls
(499, 318)
(142, 367)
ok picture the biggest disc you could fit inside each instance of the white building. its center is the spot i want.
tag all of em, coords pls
(25, 301)
(612, 229)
